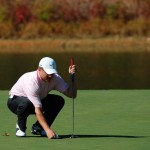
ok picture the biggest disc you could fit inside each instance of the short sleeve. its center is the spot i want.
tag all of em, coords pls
(60, 85)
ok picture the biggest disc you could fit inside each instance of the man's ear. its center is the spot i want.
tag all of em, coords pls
(39, 68)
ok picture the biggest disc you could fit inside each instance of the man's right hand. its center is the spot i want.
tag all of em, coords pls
(50, 134)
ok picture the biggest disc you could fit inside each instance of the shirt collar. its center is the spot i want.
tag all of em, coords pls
(38, 77)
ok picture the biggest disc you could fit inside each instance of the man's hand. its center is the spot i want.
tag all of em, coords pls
(72, 69)
(50, 134)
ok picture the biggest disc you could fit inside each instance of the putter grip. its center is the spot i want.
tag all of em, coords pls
(71, 64)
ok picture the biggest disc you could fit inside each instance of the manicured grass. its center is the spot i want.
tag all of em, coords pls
(104, 119)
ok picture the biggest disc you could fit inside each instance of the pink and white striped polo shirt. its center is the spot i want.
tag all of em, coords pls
(30, 85)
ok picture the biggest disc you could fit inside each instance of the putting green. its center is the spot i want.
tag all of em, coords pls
(104, 119)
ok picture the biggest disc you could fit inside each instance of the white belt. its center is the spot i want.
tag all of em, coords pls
(11, 96)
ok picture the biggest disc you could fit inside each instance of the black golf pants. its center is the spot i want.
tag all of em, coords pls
(23, 107)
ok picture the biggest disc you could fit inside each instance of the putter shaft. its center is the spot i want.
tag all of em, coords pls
(73, 117)
(72, 80)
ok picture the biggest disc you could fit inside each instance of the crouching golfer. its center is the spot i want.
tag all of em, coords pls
(30, 95)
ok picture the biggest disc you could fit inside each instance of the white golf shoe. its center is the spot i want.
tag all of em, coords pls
(19, 133)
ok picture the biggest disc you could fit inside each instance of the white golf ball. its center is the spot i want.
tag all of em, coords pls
(56, 136)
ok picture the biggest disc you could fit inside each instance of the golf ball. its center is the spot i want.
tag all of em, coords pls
(56, 136)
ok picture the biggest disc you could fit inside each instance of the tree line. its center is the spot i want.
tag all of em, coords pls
(74, 18)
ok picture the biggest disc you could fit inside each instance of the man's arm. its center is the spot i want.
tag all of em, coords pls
(43, 123)
(72, 90)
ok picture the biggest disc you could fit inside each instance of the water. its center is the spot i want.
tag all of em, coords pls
(98, 70)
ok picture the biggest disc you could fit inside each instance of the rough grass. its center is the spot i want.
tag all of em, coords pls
(111, 44)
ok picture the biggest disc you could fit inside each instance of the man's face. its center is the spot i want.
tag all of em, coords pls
(44, 76)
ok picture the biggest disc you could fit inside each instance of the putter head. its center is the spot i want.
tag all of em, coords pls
(73, 136)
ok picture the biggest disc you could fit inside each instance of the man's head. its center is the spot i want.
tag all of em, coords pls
(47, 67)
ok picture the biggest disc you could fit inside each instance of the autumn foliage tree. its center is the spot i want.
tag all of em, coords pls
(74, 18)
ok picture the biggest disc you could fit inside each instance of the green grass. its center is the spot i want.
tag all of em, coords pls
(104, 119)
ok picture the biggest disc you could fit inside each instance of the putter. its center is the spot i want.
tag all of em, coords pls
(72, 80)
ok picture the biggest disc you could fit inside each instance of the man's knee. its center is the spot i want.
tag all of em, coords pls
(61, 100)
(56, 99)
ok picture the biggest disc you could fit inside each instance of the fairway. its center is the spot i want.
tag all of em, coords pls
(104, 120)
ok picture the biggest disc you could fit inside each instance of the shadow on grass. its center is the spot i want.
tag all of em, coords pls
(93, 136)
(100, 136)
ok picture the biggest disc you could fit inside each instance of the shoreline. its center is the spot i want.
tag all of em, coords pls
(58, 45)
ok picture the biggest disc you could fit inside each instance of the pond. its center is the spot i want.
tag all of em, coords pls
(98, 70)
